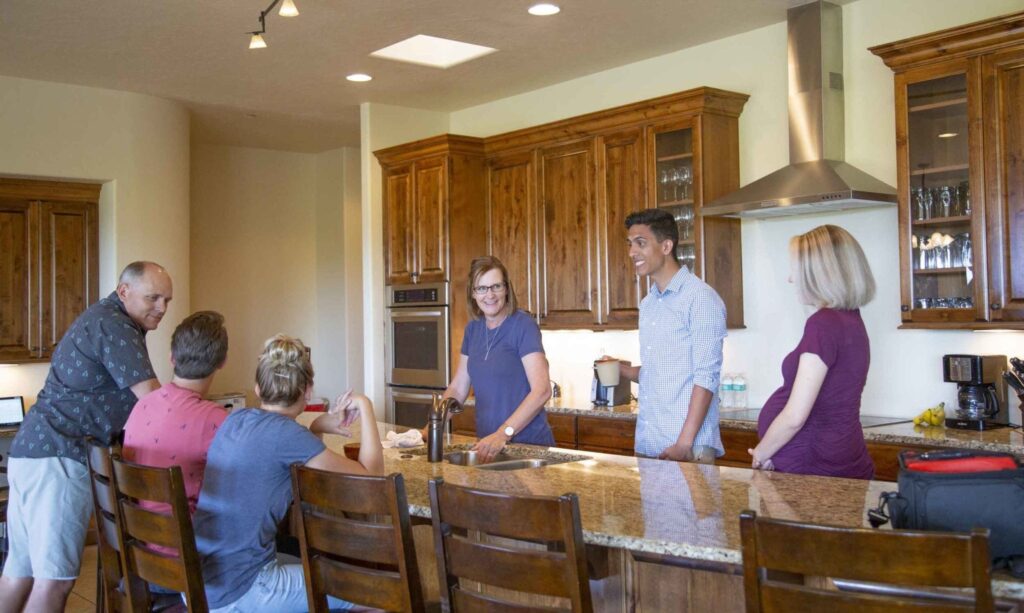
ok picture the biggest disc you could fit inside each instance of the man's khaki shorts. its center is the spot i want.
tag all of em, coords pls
(47, 517)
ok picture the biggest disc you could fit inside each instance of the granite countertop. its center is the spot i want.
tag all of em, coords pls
(676, 509)
(1010, 439)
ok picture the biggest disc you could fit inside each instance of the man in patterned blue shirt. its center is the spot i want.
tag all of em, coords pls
(682, 330)
(97, 372)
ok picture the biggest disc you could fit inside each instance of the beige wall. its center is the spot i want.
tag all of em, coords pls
(906, 371)
(382, 126)
(138, 147)
(275, 244)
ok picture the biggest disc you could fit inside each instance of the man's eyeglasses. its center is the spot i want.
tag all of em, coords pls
(497, 288)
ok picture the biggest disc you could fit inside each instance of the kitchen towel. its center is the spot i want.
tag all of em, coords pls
(409, 438)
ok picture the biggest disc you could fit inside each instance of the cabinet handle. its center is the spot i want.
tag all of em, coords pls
(905, 308)
(994, 306)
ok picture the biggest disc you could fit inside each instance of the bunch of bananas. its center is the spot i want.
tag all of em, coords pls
(932, 416)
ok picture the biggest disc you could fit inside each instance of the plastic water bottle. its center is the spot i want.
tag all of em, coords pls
(727, 391)
(739, 391)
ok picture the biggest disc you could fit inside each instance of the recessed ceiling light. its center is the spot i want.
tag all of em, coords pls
(432, 51)
(948, 134)
(359, 77)
(544, 9)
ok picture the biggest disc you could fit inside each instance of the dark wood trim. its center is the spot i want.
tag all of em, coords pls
(442, 144)
(693, 101)
(32, 189)
(960, 41)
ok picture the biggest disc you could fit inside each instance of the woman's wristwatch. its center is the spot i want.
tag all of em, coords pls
(509, 431)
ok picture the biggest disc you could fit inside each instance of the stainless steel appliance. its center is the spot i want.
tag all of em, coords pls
(416, 350)
(981, 391)
(609, 395)
(410, 406)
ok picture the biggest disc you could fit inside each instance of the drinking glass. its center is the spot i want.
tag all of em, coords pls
(946, 200)
(963, 193)
(966, 254)
(686, 176)
(665, 179)
(677, 180)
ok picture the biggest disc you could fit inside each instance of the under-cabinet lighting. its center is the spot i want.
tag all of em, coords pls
(359, 77)
(948, 134)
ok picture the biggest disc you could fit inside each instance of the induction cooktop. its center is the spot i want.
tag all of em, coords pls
(867, 421)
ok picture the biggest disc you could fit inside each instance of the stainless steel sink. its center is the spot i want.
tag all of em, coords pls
(515, 457)
(471, 458)
(515, 464)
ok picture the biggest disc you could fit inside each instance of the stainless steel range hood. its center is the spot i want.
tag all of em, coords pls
(816, 179)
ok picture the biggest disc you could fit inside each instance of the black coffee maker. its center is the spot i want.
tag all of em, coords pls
(981, 391)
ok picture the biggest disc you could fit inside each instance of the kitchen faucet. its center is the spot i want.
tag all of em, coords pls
(437, 424)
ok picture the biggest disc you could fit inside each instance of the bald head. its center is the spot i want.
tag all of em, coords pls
(145, 289)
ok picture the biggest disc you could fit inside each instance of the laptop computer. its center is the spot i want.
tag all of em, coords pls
(12, 413)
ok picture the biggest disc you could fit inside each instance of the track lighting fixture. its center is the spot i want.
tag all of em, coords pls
(287, 10)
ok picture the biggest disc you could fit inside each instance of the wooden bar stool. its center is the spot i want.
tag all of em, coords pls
(170, 529)
(347, 552)
(110, 596)
(461, 514)
(899, 566)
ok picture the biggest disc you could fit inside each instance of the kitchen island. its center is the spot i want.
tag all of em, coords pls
(666, 534)
(610, 430)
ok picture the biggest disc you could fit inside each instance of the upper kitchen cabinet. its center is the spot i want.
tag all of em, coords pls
(432, 189)
(49, 272)
(960, 170)
(512, 222)
(433, 196)
(559, 194)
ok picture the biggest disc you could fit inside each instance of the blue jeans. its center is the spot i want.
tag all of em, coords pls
(279, 588)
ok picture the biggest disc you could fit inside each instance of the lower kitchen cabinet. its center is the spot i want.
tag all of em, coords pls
(605, 435)
(562, 426)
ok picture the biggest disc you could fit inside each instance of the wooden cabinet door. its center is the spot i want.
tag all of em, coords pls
(18, 295)
(430, 219)
(398, 224)
(622, 191)
(512, 222)
(1003, 86)
(69, 273)
(568, 236)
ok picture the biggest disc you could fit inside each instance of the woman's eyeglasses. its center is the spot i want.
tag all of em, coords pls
(481, 290)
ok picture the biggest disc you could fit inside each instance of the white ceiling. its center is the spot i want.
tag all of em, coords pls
(293, 95)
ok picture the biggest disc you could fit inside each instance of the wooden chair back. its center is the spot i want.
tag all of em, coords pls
(111, 597)
(138, 487)
(779, 557)
(356, 540)
(492, 539)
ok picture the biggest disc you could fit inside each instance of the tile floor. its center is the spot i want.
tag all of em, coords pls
(83, 596)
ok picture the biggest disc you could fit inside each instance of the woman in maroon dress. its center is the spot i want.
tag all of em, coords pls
(811, 424)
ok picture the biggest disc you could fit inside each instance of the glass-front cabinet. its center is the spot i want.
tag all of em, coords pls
(939, 238)
(959, 148)
(676, 188)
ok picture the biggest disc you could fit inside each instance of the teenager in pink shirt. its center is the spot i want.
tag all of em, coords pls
(173, 425)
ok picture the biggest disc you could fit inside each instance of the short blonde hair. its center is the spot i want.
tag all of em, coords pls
(479, 267)
(831, 270)
(284, 371)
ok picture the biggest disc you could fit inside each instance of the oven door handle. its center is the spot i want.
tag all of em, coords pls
(397, 314)
(396, 395)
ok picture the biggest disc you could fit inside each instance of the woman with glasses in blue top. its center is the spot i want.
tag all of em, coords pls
(503, 361)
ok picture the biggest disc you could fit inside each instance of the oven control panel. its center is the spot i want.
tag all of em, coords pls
(427, 294)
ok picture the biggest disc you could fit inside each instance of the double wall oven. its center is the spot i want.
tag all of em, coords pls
(416, 350)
